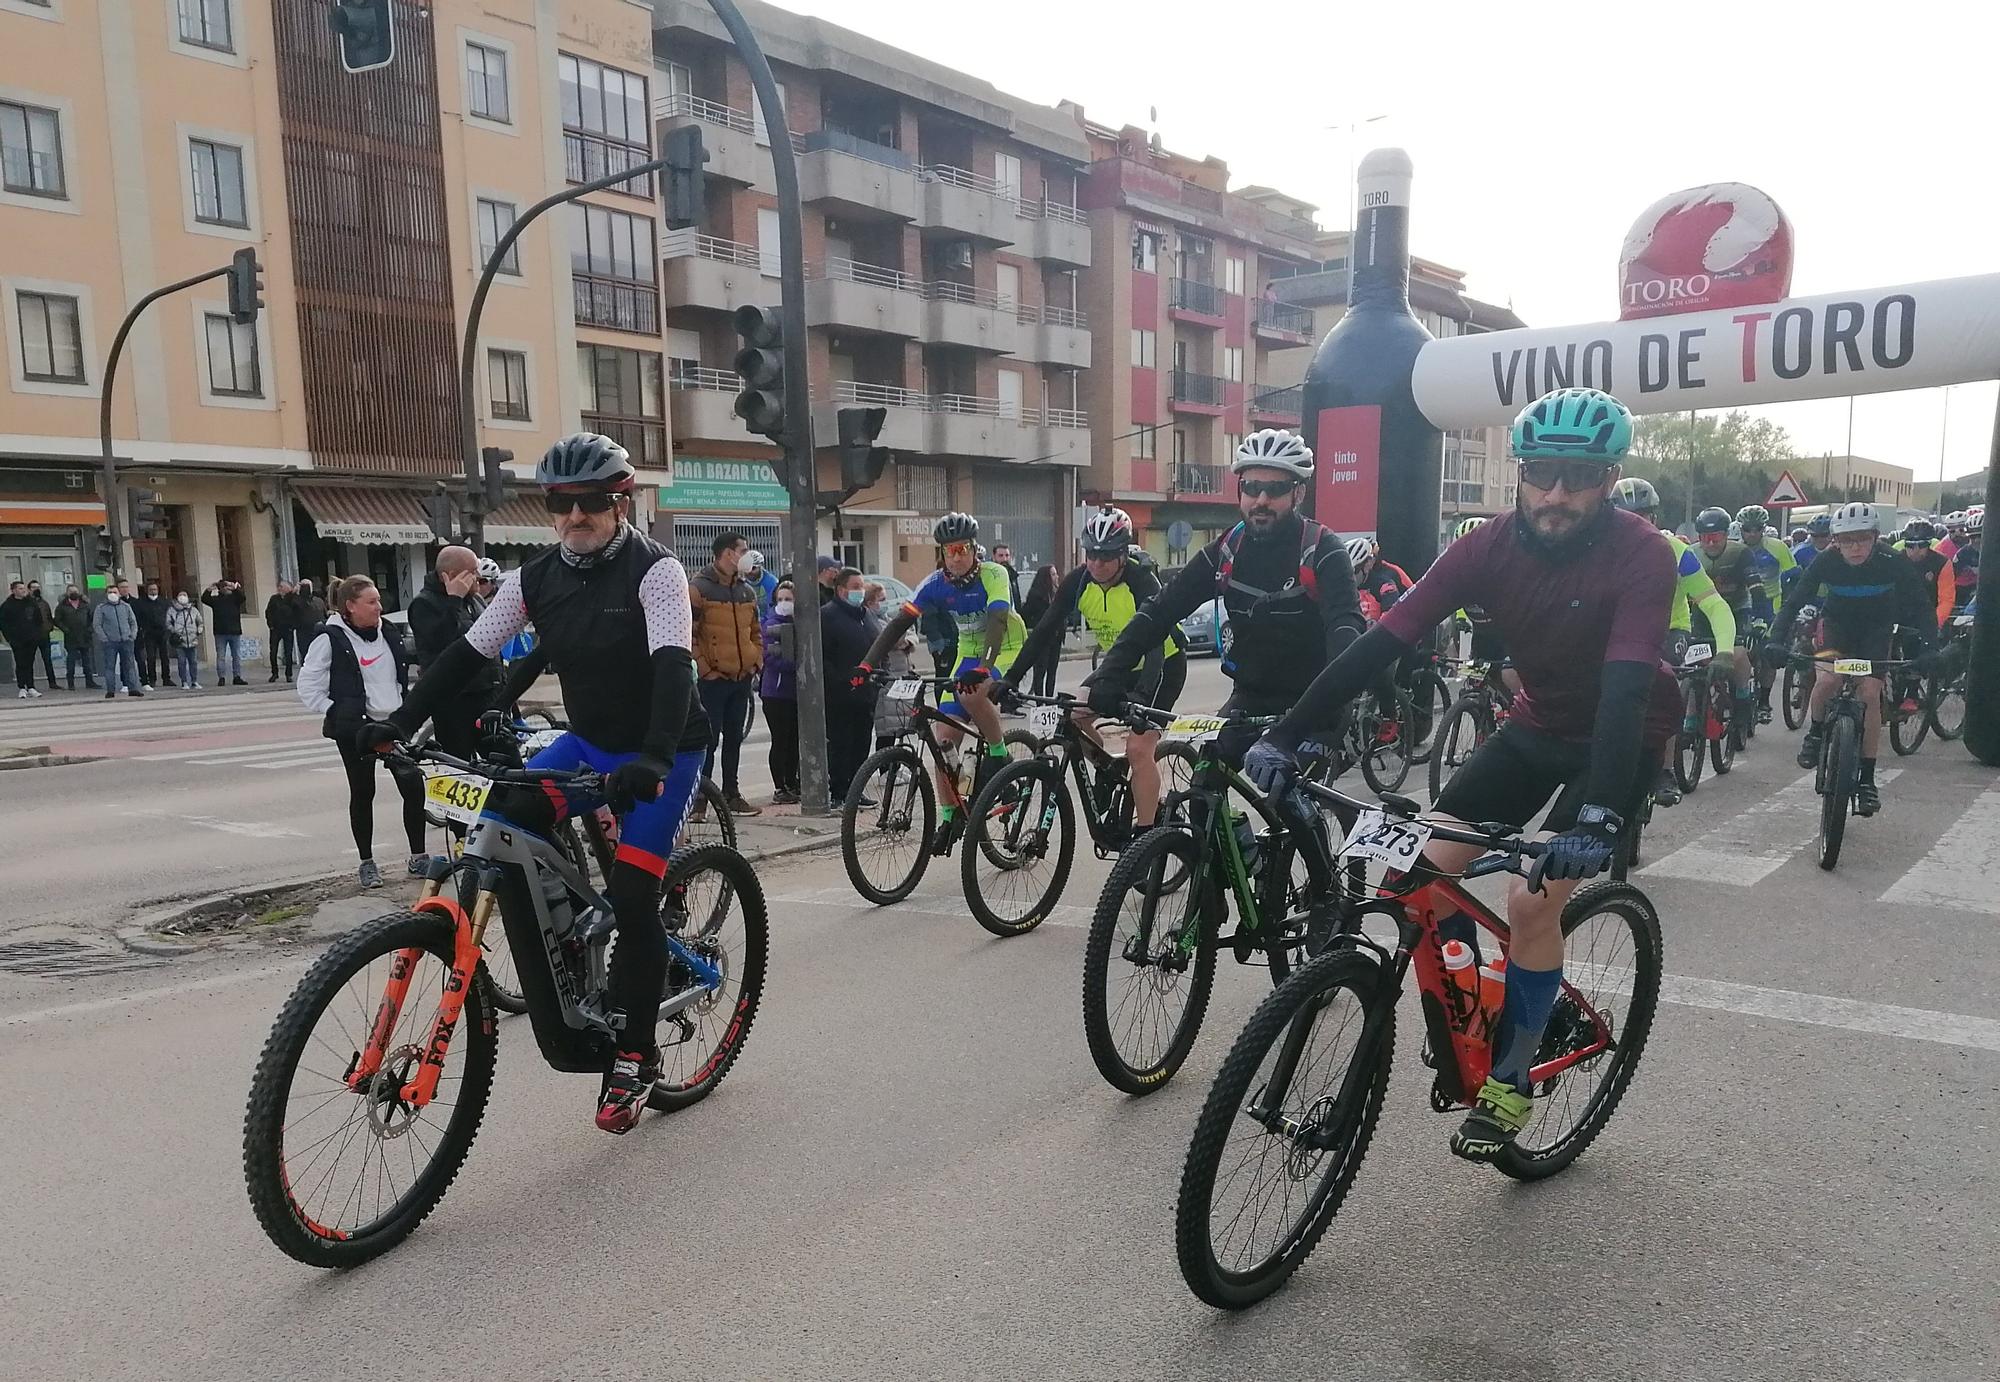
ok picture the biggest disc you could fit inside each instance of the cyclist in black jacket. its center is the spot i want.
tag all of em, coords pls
(1285, 582)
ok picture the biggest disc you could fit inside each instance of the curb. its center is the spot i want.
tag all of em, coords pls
(44, 760)
(138, 935)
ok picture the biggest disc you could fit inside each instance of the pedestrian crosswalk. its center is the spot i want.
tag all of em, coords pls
(1754, 843)
(292, 755)
(163, 716)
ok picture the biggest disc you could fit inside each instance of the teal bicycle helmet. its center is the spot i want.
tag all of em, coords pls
(1574, 424)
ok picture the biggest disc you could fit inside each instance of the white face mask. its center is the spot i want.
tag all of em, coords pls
(180, 599)
(113, 596)
(783, 606)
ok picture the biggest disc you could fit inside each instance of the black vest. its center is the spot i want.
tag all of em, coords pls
(589, 622)
(344, 682)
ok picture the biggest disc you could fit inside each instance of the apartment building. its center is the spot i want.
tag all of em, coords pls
(146, 141)
(944, 244)
(1831, 479)
(1189, 338)
(1478, 475)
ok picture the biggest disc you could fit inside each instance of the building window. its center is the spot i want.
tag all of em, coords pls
(1146, 250)
(51, 338)
(1145, 444)
(1180, 446)
(925, 488)
(605, 122)
(1232, 364)
(495, 220)
(1230, 441)
(1145, 345)
(486, 83)
(205, 23)
(232, 356)
(1007, 173)
(1197, 258)
(30, 150)
(1232, 276)
(624, 397)
(217, 170)
(611, 256)
(507, 384)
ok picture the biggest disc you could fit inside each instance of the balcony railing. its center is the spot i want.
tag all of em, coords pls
(890, 395)
(703, 377)
(682, 105)
(874, 275)
(644, 437)
(1283, 316)
(1192, 295)
(1046, 210)
(941, 290)
(1065, 417)
(1198, 479)
(588, 156)
(844, 142)
(617, 303)
(971, 405)
(1202, 389)
(687, 244)
(1288, 403)
(975, 182)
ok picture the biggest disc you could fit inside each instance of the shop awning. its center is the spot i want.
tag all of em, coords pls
(24, 510)
(391, 516)
(520, 519)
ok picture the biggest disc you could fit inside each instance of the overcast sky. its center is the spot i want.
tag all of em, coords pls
(1540, 132)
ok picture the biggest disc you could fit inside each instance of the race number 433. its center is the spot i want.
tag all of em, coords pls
(1396, 843)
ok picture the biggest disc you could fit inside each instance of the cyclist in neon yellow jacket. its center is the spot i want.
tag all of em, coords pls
(1692, 590)
(1772, 560)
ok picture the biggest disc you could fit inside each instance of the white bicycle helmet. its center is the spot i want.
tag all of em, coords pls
(1276, 448)
(1108, 532)
(753, 561)
(1975, 522)
(1359, 550)
(488, 569)
(1855, 518)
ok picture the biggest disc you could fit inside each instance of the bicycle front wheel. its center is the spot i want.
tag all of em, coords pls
(713, 904)
(1944, 702)
(1840, 764)
(1601, 1019)
(1148, 964)
(1284, 1130)
(1796, 691)
(1691, 744)
(1430, 703)
(1020, 842)
(1908, 726)
(887, 824)
(339, 1173)
(1722, 732)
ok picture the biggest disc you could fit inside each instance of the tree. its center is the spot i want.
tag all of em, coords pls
(1733, 459)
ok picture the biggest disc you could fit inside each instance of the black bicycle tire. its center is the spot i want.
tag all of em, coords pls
(851, 808)
(1688, 760)
(1640, 1011)
(1907, 742)
(1936, 689)
(741, 880)
(1382, 782)
(1441, 703)
(1795, 689)
(1097, 958)
(1722, 749)
(973, 851)
(718, 814)
(263, 1120)
(1219, 1114)
(1464, 706)
(1842, 756)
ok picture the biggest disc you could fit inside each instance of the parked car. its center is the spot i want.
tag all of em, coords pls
(895, 592)
(1203, 631)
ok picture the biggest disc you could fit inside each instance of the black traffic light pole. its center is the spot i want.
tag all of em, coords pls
(801, 480)
(113, 500)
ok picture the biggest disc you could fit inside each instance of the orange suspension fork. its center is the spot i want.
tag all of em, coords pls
(468, 935)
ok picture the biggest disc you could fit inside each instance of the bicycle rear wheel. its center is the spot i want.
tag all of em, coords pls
(1464, 731)
(1430, 703)
(1611, 988)
(1840, 764)
(1691, 745)
(1722, 728)
(1796, 690)
(1020, 842)
(1284, 1130)
(1944, 701)
(887, 824)
(1145, 986)
(713, 903)
(1908, 727)
(1385, 741)
(338, 1175)
(709, 822)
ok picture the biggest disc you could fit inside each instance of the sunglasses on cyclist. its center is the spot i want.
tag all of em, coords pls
(1265, 489)
(596, 501)
(957, 549)
(1576, 476)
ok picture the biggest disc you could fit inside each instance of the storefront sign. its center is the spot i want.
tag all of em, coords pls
(385, 534)
(723, 487)
(915, 527)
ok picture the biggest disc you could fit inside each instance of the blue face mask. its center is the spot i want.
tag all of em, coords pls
(854, 597)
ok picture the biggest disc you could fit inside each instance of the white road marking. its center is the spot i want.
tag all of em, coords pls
(1754, 843)
(271, 757)
(1962, 867)
(259, 830)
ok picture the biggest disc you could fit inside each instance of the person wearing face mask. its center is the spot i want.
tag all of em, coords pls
(439, 616)
(44, 647)
(779, 690)
(153, 654)
(73, 623)
(115, 630)
(281, 614)
(184, 630)
(845, 635)
(21, 624)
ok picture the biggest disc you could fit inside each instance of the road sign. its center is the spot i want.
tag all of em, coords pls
(1180, 533)
(1786, 494)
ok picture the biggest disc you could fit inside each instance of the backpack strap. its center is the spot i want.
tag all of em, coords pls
(1309, 543)
(1230, 543)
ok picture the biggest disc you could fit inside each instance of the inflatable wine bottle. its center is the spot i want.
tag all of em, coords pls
(1377, 458)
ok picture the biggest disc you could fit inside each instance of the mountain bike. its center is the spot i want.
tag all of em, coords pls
(1795, 690)
(1288, 1120)
(451, 802)
(1022, 826)
(1944, 700)
(1482, 706)
(375, 1076)
(1838, 771)
(1708, 716)
(1431, 697)
(1149, 959)
(889, 828)
(1906, 709)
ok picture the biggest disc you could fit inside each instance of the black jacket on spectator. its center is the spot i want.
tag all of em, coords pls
(309, 611)
(73, 623)
(437, 621)
(281, 613)
(228, 607)
(845, 635)
(20, 620)
(152, 612)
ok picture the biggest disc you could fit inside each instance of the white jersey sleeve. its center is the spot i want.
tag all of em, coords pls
(663, 594)
(506, 615)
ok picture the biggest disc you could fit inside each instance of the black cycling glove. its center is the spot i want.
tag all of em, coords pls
(633, 782)
(1585, 849)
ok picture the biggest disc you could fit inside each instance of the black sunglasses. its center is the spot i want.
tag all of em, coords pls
(1576, 476)
(599, 501)
(1265, 489)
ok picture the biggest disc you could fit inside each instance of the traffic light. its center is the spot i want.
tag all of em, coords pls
(101, 555)
(144, 511)
(686, 184)
(761, 362)
(246, 286)
(437, 513)
(861, 461)
(365, 31)
(494, 459)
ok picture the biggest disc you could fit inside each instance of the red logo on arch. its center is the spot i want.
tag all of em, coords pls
(1721, 245)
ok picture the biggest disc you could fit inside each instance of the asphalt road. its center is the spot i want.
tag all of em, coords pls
(915, 1170)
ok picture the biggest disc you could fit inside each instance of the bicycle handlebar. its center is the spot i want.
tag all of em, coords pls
(1508, 852)
(588, 779)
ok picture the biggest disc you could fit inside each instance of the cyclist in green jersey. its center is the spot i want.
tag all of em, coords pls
(1729, 566)
(1772, 560)
(1107, 590)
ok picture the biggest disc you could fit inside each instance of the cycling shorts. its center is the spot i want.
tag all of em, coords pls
(1514, 773)
(948, 697)
(1870, 641)
(1167, 693)
(646, 832)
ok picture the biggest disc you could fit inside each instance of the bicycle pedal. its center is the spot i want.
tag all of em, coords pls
(1442, 1102)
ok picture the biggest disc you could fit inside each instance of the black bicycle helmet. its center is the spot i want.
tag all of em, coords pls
(586, 458)
(1919, 530)
(955, 527)
(1712, 520)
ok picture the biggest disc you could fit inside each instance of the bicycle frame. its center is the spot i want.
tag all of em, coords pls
(1215, 840)
(924, 717)
(576, 958)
